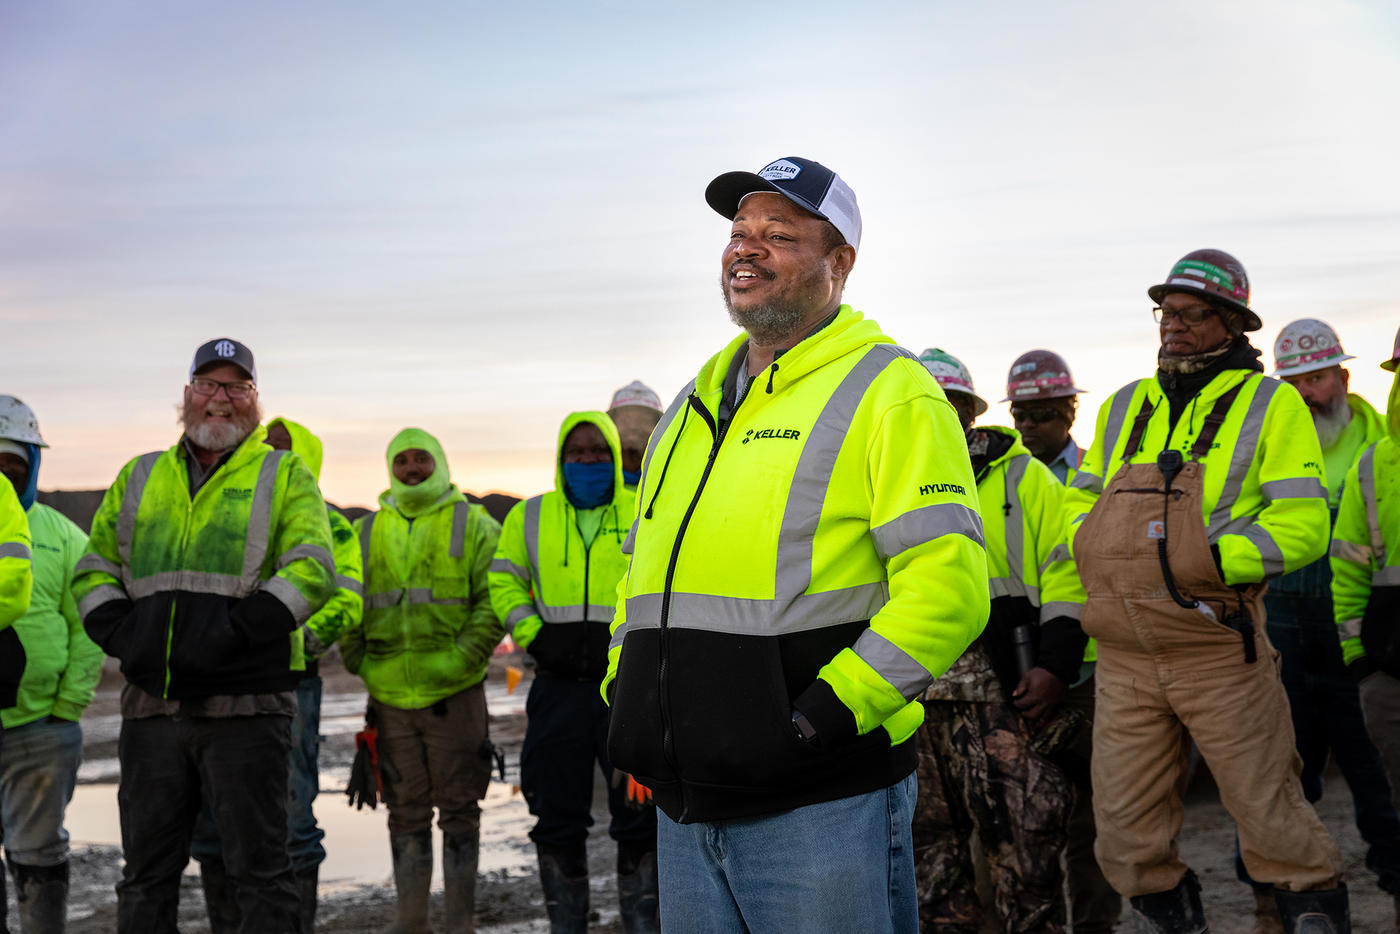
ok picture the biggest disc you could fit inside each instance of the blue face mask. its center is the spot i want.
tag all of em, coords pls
(588, 485)
(631, 477)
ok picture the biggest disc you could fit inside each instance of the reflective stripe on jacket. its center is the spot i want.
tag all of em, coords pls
(820, 550)
(344, 610)
(16, 566)
(256, 528)
(554, 593)
(62, 664)
(1264, 505)
(428, 628)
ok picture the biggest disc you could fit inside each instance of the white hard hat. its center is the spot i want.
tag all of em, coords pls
(1307, 345)
(952, 375)
(17, 422)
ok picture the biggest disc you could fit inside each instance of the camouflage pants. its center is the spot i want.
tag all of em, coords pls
(978, 774)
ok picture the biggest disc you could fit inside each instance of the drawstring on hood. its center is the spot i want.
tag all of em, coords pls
(414, 501)
(685, 413)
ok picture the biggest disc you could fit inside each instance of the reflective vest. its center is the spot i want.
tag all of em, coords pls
(62, 664)
(344, 610)
(554, 593)
(16, 568)
(818, 550)
(428, 628)
(1264, 505)
(257, 526)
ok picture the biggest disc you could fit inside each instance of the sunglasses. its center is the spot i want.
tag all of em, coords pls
(1038, 416)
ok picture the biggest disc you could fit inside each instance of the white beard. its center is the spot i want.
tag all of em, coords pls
(1331, 424)
(224, 436)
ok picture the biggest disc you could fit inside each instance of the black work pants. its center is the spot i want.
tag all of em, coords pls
(566, 733)
(169, 765)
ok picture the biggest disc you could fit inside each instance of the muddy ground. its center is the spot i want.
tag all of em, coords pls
(356, 884)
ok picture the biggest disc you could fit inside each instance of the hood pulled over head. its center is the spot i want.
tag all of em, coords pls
(304, 444)
(416, 500)
(605, 425)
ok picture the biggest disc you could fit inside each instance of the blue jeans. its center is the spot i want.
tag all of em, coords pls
(1327, 718)
(38, 768)
(844, 865)
(303, 782)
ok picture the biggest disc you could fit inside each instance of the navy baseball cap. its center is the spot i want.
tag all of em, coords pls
(807, 184)
(224, 350)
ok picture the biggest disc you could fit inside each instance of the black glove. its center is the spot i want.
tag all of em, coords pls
(363, 786)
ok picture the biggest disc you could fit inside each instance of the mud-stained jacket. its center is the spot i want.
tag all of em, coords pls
(62, 664)
(1033, 579)
(1365, 554)
(202, 596)
(428, 629)
(16, 584)
(816, 551)
(554, 593)
(1263, 503)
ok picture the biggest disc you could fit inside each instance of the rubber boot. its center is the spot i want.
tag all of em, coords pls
(636, 886)
(41, 893)
(1177, 911)
(564, 877)
(1323, 912)
(220, 899)
(306, 899)
(459, 883)
(413, 874)
(1266, 919)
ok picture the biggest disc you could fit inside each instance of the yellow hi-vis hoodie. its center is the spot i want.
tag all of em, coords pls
(428, 629)
(201, 596)
(1263, 504)
(16, 584)
(345, 608)
(555, 593)
(1365, 554)
(817, 552)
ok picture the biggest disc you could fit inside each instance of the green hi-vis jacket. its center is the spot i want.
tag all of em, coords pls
(1263, 503)
(1365, 552)
(1032, 576)
(16, 583)
(62, 664)
(554, 593)
(428, 628)
(818, 551)
(345, 607)
(204, 596)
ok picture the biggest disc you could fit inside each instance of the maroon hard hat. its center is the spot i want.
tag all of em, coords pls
(1215, 276)
(1039, 374)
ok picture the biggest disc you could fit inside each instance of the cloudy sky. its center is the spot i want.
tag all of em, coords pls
(475, 217)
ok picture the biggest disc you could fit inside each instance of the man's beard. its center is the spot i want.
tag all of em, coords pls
(1331, 421)
(221, 436)
(781, 315)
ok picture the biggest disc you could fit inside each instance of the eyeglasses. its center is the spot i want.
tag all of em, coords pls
(237, 392)
(1189, 315)
(1039, 416)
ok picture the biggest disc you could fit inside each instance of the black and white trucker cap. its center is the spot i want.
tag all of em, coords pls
(808, 184)
(224, 350)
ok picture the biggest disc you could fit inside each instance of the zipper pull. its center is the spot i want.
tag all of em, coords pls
(771, 371)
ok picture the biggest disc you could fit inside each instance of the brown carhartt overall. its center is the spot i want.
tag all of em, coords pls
(1164, 670)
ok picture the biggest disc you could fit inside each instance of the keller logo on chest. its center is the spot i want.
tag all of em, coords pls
(760, 434)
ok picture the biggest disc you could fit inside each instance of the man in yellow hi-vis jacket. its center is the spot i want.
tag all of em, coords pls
(554, 583)
(1202, 483)
(806, 558)
(16, 583)
(204, 561)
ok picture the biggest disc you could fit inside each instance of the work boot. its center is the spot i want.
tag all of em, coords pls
(636, 886)
(42, 896)
(564, 877)
(1177, 911)
(459, 855)
(1323, 912)
(220, 899)
(306, 898)
(1266, 919)
(413, 874)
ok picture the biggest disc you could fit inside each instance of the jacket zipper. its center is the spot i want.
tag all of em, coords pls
(668, 746)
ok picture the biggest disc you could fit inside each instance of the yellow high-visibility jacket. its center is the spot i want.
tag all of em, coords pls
(1365, 554)
(819, 551)
(16, 584)
(554, 593)
(428, 629)
(204, 595)
(1033, 578)
(1263, 504)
